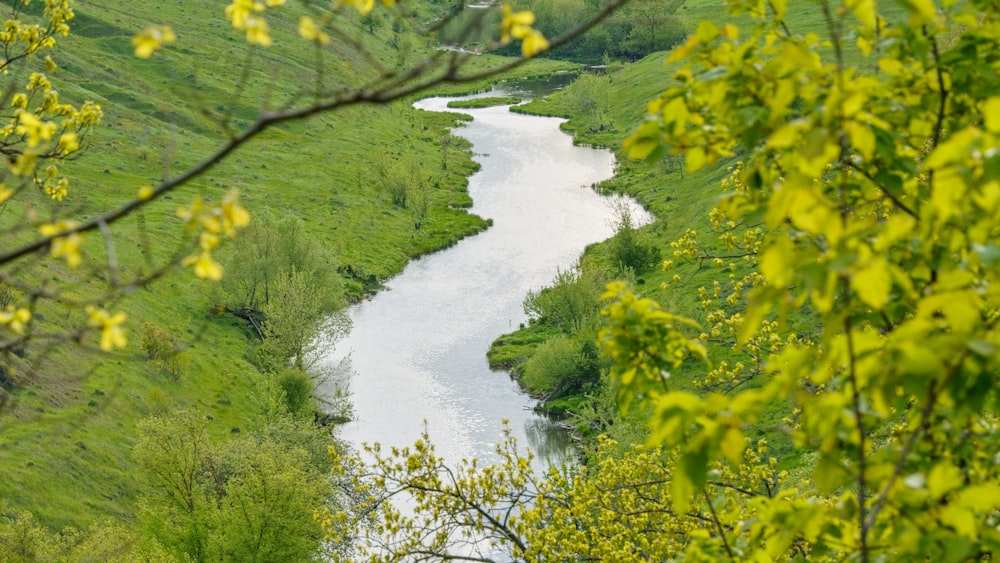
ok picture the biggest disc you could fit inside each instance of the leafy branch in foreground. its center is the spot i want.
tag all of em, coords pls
(877, 199)
(412, 506)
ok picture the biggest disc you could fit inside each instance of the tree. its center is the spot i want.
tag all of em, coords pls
(418, 507)
(25, 540)
(561, 365)
(570, 303)
(630, 251)
(372, 20)
(866, 188)
(78, 256)
(269, 256)
(297, 325)
(654, 26)
(250, 499)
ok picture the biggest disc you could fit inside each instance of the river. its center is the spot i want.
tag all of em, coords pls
(417, 350)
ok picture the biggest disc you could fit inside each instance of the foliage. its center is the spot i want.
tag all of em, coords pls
(9, 296)
(641, 27)
(269, 250)
(412, 504)
(250, 499)
(23, 539)
(40, 134)
(652, 25)
(161, 349)
(297, 391)
(297, 325)
(43, 132)
(873, 199)
(591, 94)
(176, 120)
(570, 303)
(631, 251)
(619, 509)
(855, 261)
(560, 366)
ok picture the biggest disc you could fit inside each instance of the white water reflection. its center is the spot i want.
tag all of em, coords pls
(417, 350)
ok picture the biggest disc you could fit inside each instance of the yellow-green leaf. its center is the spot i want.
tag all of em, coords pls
(862, 138)
(706, 32)
(921, 11)
(733, 443)
(864, 10)
(752, 318)
(776, 263)
(991, 114)
(644, 141)
(944, 477)
(890, 65)
(681, 490)
(828, 473)
(959, 518)
(873, 283)
(981, 498)
(695, 159)
(785, 136)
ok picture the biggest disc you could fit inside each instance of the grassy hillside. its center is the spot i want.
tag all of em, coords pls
(65, 439)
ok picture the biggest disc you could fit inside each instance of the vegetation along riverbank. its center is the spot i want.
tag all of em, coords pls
(796, 361)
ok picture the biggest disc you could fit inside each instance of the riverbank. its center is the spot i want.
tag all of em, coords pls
(416, 351)
(601, 109)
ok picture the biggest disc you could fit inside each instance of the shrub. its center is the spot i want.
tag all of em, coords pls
(560, 366)
(571, 303)
(297, 391)
(631, 249)
(156, 342)
(160, 349)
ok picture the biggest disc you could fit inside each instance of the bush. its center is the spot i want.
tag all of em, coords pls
(156, 343)
(630, 248)
(297, 391)
(571, 303)
(9, 296)
(268, 250)
(160, 349)
(561, 366)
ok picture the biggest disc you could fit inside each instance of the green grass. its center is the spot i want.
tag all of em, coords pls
(509, 351)
(65, 439)
(483, 102)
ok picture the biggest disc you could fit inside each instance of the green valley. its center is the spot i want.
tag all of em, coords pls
(796, 359)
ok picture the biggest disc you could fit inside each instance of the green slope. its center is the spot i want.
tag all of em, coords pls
(65, 438)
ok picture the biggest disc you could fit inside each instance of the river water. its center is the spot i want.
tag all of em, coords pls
(417, 350)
